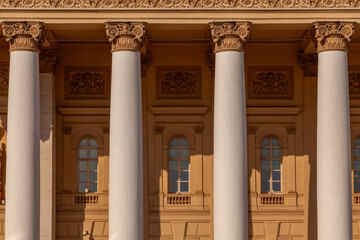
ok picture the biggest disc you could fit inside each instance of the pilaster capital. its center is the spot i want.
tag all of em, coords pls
(229, 35)
(48, 59)
(309, 63)
(333, 35)
(145, 63)
(23, 35)
(125, 35)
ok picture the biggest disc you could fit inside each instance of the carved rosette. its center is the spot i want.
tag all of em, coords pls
(229, 36)
(125, 36)
(23, 35)
(333, 35)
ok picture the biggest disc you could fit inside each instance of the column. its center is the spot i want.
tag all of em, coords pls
(230, 158)
(126, 172)
(23, 165)
(48, 60)
(333, 132)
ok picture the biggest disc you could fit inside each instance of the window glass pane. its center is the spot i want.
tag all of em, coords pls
(357, 142)
(82, 187)
(93, 142)
(93, 176)
(356, 152)
(265, 176)
(93, 187)
(93, 153)
(173, 176)
(173, 187)
(265, 152)
(173, 153)
(275, 142)
(276, 186)
(275, 152)
(356, 165)
(276, 175)
(356, 186)
(93, 165)
(184, 165)
(184, 176)
(83, 143)
(173, 165)
(265, 187)
(183, 143)
(184, 153)
(276, 164)
(265, 164)
(174, 142)
(82, 176)
(82, 153)
(357, 175)
(265, 142)
(82, 165)
(184, 187)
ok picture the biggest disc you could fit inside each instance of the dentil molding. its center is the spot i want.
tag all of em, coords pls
(125, 35)
(229, 36)
(333, 35)
(23, 35)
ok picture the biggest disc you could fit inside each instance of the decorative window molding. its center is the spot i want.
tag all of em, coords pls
(87, 82)
(270, 82)
(178, 82)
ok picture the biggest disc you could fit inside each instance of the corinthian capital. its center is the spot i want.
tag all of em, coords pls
(229, 36)
(125, 35)
(333, 35)
(23, 35)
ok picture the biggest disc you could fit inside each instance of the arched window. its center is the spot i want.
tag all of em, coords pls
(87, 165)
(356, 164)
(179, 162)
(270, 165)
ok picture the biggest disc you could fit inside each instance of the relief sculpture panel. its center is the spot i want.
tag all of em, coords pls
(178, 82)
(270, 82)
(87, 82)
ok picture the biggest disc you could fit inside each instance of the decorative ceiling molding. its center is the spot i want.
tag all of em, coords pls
(196, 4)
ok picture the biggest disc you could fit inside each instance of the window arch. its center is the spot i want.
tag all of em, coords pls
(356, 164)
(270, 165)
(179, 165)
(87, 165)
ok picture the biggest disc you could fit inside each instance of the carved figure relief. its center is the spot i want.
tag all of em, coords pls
(270, 82)
(178, 82)
(4, 78)
(84, 82)
(354, 82)
(238, 4)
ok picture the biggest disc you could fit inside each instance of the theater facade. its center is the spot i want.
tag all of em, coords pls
(180, 120)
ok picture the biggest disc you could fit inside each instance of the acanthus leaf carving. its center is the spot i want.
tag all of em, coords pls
(125, 35)
(23, 35)
(229, 36)
(333, 35)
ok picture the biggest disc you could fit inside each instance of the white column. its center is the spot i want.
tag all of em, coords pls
(125, 175)
(230, 158)
(333, 135)
(22, 176)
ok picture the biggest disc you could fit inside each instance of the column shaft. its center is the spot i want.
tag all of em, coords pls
(22, 177)
(125, 180)
(333, 148)
(230, 162)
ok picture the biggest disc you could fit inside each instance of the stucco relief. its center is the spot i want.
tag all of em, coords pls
(85, 82)
(23, 35)
(270, 82)
(4, 78)
(178, 82)
(196, 4)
